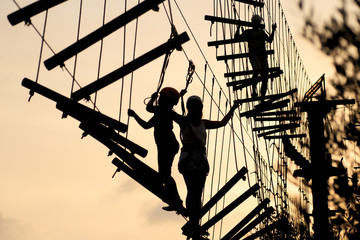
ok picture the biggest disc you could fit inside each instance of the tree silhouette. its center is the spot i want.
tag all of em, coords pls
(339, 38)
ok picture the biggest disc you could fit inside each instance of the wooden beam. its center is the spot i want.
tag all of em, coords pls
(241, 55)
(286, 136)
(223, 42)
(100, 33)
(268, 107)
(233, 21)
(281, 126)
(295, 125)
(278, 113)
(25, 13)
(130, 67)
(254, 223)
(265, 230)
(240, 174)
(249, 72)
(280, 119)
(251, 191)
(111, 134)
(74, 109)
(246, 219)
(252, 2)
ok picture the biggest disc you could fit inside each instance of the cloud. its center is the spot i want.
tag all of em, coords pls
(12, 229)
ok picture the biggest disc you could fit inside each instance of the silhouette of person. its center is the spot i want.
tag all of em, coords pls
(193, 163)
(167, 145)
(256, 39)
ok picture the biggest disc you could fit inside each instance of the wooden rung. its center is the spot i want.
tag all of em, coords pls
(133, 162)
(286, 136)
(225, 41)
(259, 110)
(282, 129)
(250, 81)
(241, 55)
(278, 113)
(251, 191)
(101, 33)
(109, 133)
(281, 126)
(264, 119)
(76, 110)
(130, 67)
(240, 174)
(249, 72)
(246, 219)
(254, 223)
(313, 89)
(252, 2)
(233, 21)
(265, 230)
(156, 188)
(25, 13)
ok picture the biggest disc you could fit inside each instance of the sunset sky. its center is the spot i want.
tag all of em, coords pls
(55, 185)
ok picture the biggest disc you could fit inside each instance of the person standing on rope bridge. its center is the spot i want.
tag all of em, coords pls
(257, 38)
(167, 145)
(193, 163)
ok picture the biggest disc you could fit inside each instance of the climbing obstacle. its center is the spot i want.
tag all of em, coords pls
(272, 115)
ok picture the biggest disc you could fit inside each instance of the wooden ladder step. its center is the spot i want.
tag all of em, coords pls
(252, 2)
(286, 136)
(249, 72)
(278, 113)
(251, 191)
(241, 55)
(100, 33)
(74, 109)
(246, 219)
(112, 77)
(280, 126)
(221, 193)
(282, 129)
(249, 82)
(233, 21)
(25, 13)
(111, 134)
(257, 111)
(265, 230)
(253, 224)
(223, 42)
(264, 119)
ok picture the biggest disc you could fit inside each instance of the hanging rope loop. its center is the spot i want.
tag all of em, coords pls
(189, 79)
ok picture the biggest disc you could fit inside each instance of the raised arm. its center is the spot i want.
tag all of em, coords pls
(271, 36)
(140, 121)
(217, 124)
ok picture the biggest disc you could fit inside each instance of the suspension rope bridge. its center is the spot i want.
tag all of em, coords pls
(256, 146)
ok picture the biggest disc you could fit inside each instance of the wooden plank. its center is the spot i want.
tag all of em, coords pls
(279, 130)
(254, 223)
(74, 109)
(246, 219)
(281, 126)
(223, 42)
(100, 33)
(278, 113)
(111, 134)
(25, 13)
(286, 136)
(130, 67)
(258, 110)
(240, 174)
(313, 89)
(233, 21)
(249, 72)
(252, 2)
(156, 188)
(249, 82)
(230, 207)
(265, 230)
(241, 55)
(264, 119)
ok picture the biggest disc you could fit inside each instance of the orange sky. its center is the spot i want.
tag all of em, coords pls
(55, 185)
